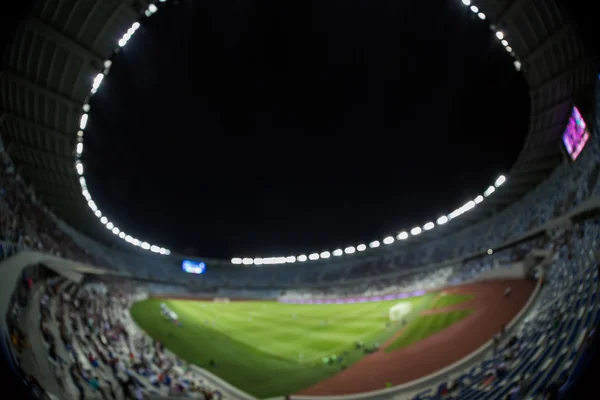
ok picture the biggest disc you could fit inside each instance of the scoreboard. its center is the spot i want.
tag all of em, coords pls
(193, 267)
(576, 134)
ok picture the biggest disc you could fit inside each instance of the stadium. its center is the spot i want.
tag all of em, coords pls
(496, 299)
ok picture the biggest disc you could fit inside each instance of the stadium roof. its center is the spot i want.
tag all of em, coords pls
(61, 47)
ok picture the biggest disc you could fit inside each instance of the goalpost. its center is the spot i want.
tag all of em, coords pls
(400, 310)
(221, 300)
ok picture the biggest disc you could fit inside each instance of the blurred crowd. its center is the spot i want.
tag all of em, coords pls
(26, 224)
(97, 350)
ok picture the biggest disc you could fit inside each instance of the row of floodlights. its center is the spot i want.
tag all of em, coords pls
(152, 8)
(376, 243)
(499, 34)
(79, 150)
(402, 235)
(474, 8)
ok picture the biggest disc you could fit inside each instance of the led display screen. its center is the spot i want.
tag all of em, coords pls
(193, 267)
(576, 135)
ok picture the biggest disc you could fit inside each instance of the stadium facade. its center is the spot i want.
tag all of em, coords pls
(52, 66)
(58, 58)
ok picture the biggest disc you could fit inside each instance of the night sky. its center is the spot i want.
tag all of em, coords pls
(262, 128)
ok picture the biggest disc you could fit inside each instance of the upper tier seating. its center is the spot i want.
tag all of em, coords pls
(566, 188)
(93, 345)
(550, 338)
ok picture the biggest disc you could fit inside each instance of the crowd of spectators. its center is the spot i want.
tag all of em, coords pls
(26, 223)
(96, 349)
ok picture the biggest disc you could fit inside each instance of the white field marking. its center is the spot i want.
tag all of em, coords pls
(292, 350)
(233, 318)
(284, 346)
(226, 321)
(334, 350)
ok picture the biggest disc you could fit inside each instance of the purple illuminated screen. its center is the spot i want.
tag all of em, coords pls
(576, 135)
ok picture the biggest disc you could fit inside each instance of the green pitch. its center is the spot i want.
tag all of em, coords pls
(447, 300)
(426, 325)
(270, 349)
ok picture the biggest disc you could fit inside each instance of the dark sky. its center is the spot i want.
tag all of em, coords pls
(260, 128)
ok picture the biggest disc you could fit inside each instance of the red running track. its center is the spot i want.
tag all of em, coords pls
(492, 310)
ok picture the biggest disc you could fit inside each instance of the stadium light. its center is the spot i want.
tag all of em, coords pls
(99, 78)
(270, 260)
(96, 84)
(402, 236)
(374, 244)
(501, 179)
(517, 65)
(489, 191)
(461, 210)
(83, 122)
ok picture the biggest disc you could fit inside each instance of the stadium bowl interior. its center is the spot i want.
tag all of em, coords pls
(537, 235)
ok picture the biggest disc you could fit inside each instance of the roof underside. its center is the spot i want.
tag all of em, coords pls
(48, 69)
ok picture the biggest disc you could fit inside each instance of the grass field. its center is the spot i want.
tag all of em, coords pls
(445, 300)
(268, 348)
(426, 325)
